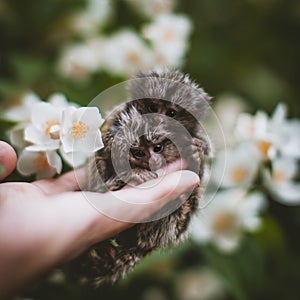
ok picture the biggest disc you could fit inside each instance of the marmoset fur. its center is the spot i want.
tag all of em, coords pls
(157, 126)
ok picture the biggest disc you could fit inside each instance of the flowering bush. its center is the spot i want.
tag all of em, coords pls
(161, 42)
(262, 157)
(245, 240)
(45, 128)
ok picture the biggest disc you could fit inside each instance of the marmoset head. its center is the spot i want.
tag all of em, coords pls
(171, 93)
(146, 141)
(152, 154)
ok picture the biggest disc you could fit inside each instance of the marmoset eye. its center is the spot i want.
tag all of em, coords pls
(138, 153)
(171, 113)
(153, 108)
(158, 148)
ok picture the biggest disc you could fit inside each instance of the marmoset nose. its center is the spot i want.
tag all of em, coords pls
(156, 162)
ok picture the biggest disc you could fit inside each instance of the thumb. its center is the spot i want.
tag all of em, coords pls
(7, 159)
(133, 205)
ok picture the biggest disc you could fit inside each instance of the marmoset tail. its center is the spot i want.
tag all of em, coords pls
(157, 126)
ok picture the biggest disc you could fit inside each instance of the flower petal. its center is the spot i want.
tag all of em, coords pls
(75, 159)
(287, 193)
(200, 230)
(54, 145)
(16, 137)
(54, 160)
(89, 116)
(35, 136)
(25, 164)
(289, 139)
(60, 101)
(67, 120)
(239, 169)
(42, 113)
(228, 244)
(90, 143)
(279, 114)
(22, 112)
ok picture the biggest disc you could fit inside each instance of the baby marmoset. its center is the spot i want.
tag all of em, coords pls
(159, 125)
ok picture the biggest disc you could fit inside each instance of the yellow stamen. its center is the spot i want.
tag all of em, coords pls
(250, 128)
(79, 130)
(49, 124)
(263, 147)
(41, 163)
(239, 174)
(224, 222)
(169, 35)
(278, 176)
(133, 57)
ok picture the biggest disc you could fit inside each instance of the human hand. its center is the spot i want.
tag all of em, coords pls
(47, 222)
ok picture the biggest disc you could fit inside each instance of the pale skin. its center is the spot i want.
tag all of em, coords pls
(48, 222)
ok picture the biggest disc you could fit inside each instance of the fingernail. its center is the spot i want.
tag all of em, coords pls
(2, 170)
(191, 179)
(160, 172)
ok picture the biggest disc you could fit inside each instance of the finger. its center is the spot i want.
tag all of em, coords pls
(71, 181)
(164, 189)
(8, 159)
(177, 165)
(138, 203)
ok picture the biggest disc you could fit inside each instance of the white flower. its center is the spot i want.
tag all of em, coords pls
(22, 112)
(287, 193)
(271, 135)
(163, 57)
(199, 283)
(288, 138)
(257, 129)
(224, 219)
(168, 35)
(280, 181)
(79, 60)
(80, 130)
(241, 166)
(50, 126)
(44, 130)
(227, 108)
(252, 127)
(125, 53)
(153, 8)
(287, 132)
(93, 17)
(168, 29)
(284, 169)
(44, 164)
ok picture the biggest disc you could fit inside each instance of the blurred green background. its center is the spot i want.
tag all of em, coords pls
(249, 48)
